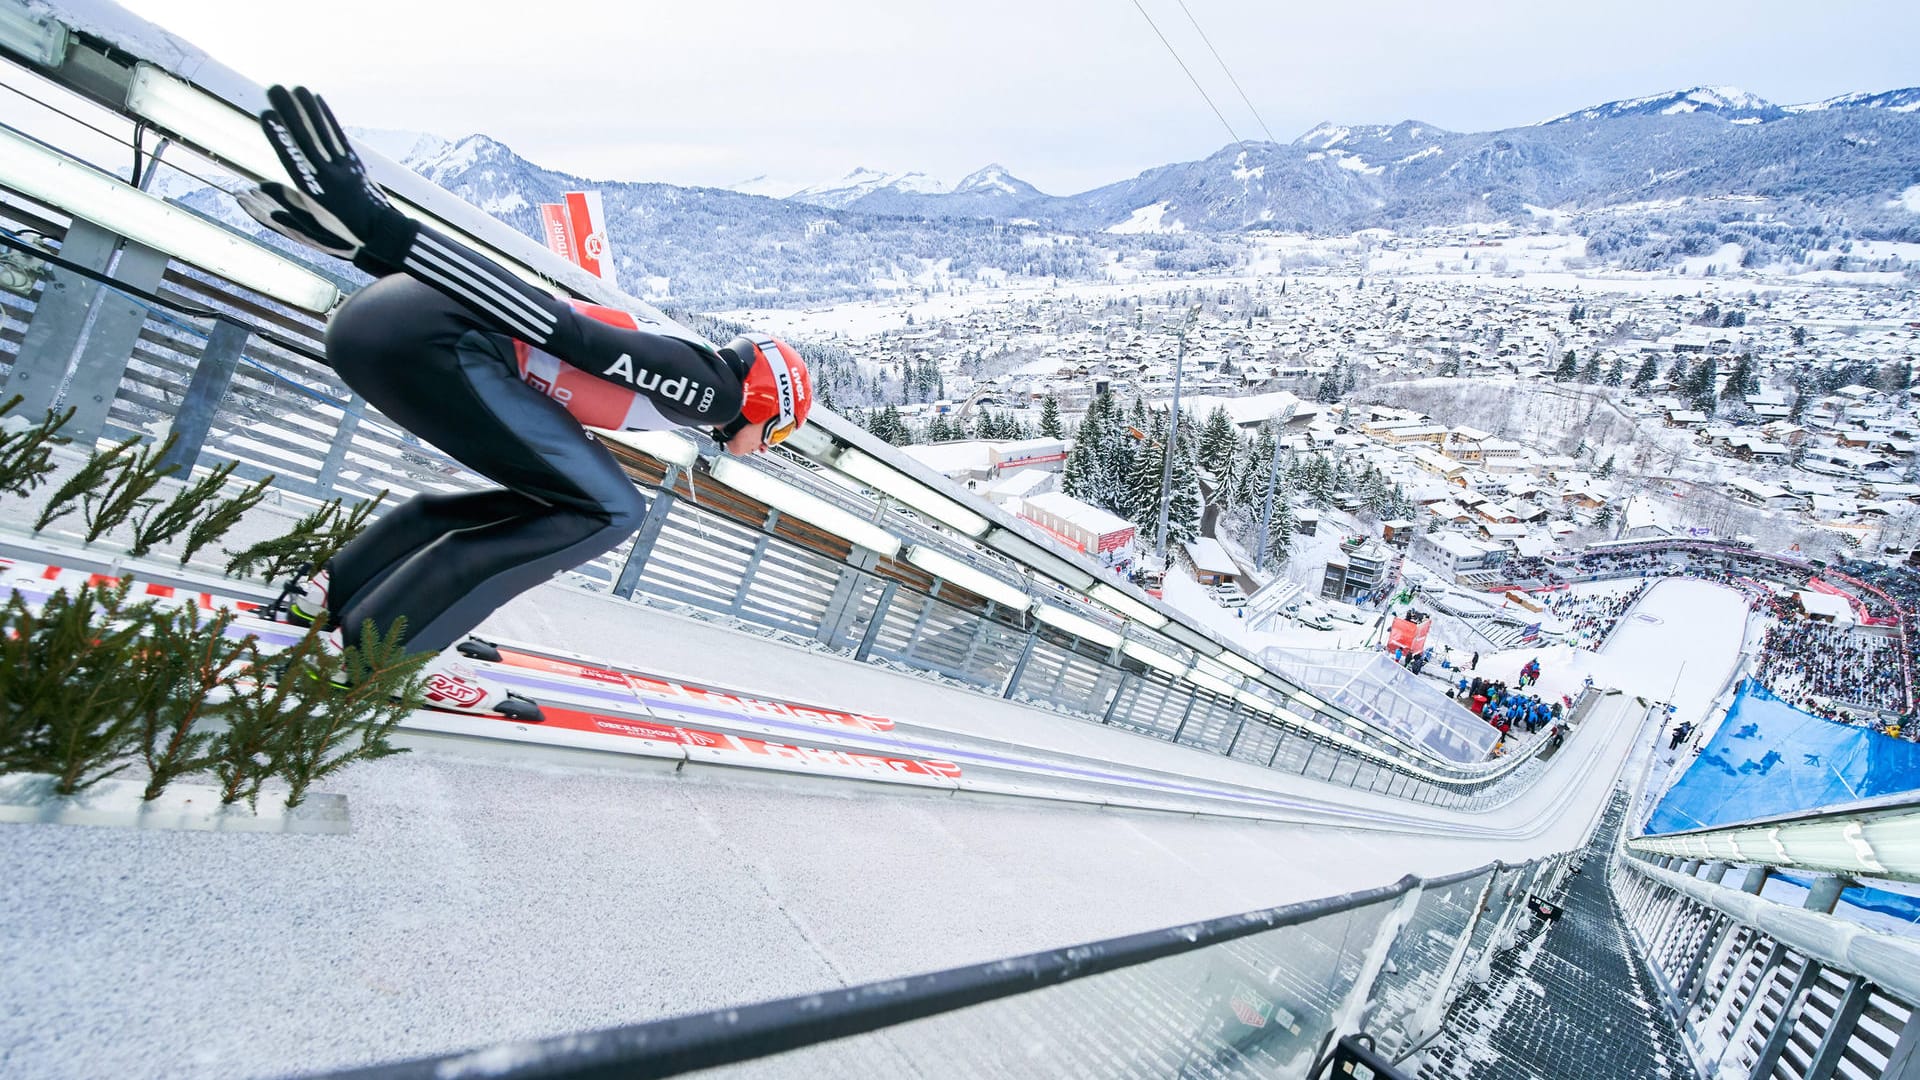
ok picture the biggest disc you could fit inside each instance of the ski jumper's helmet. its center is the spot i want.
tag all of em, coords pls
(777, 391)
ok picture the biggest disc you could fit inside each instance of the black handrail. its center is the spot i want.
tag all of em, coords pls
(706, 1040)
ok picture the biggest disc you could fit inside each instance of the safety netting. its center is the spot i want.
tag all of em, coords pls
(1769, 759)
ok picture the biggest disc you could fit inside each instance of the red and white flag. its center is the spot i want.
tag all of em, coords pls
(576, 229)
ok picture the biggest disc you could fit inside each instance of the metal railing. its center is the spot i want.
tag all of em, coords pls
(1263, 994)
(1764, 990)
(691, 559)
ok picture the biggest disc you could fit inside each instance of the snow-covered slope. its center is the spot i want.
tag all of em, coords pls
(862, 182)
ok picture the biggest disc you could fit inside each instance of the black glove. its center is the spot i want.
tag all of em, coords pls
(329, 177)
(298, 218)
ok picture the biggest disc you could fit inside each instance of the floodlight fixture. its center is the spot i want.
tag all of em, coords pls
(1126, 605)
(1154, 658)
(1078, 625)
(972, 579)
(84, 192)
(1240, 664)
(39, 39)
(882, 477)
(667, 446)
(804, 505)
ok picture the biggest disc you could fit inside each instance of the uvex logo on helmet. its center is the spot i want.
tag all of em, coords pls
(777, 390)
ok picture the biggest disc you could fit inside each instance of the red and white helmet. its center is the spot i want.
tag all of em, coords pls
(777, 390)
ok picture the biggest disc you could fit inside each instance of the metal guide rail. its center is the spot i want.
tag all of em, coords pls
(591, 705)
(1270, 993)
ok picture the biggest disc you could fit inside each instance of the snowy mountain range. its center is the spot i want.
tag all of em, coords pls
(1856, 150)
(1853, 159)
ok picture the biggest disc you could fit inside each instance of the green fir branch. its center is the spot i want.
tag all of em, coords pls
(222, 517)
(373, 685)
(26, 456)
(67, 705)
(188, 660)
(272, 558)
(158, 523)
(67, 497)
(127, 494)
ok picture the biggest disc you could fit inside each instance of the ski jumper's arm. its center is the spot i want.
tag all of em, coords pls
(688, 381)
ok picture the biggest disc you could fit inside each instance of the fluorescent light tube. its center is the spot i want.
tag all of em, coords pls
(1127, 605)
(667, 446)
(1154, 658)
(946, 567)
(882, 477)
(1210, 682)
(1240, 664)
(83, 192)
(808, 507)
(1012, 544)
(39, 38)
(1193, 639)
(202, 120)
(1218, 671)
(1078, 625)
(1257, 703)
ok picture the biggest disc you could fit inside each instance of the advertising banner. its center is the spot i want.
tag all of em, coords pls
(576, 229)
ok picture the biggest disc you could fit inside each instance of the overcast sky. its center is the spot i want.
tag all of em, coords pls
(1067, 94)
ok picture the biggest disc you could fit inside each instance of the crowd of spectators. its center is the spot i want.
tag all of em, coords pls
(1821, 667)
(1842, 674)
(1591, 616)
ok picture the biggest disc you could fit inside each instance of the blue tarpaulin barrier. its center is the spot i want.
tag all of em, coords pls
(1770, 758)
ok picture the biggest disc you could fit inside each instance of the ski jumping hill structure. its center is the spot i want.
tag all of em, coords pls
(844, 774)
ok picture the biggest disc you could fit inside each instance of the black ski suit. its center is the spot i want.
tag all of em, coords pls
(460, 352)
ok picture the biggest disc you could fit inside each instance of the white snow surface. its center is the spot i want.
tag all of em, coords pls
(1149, 219)
(1910, 199)
(486, 897)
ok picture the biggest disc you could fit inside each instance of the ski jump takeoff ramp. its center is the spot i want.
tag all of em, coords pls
(720, 819)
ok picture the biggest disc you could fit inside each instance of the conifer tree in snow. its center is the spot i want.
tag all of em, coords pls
(1050, 418)
(1649, 371)
(1701, 382)
(1379, 497)
(1256, 463)
(1077, 475)
(1217, 443)
(1113, 462)
(1183, 494)
(1590, 371)
(1617, 374)
(1280, 528)
(1569, 368)
(1143, 481)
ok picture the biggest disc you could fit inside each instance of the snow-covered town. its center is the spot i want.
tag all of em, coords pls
(1436, 426)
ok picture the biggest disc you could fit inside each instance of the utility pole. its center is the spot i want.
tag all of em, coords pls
(1173, 431)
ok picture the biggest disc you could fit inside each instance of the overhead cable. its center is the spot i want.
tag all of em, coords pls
(1183, 67)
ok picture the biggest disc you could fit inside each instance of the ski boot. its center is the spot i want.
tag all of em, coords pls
(454, 686)
(302, 600)
(475, 649)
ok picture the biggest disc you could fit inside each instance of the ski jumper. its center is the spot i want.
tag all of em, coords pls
(497, 372)
(500, 377)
